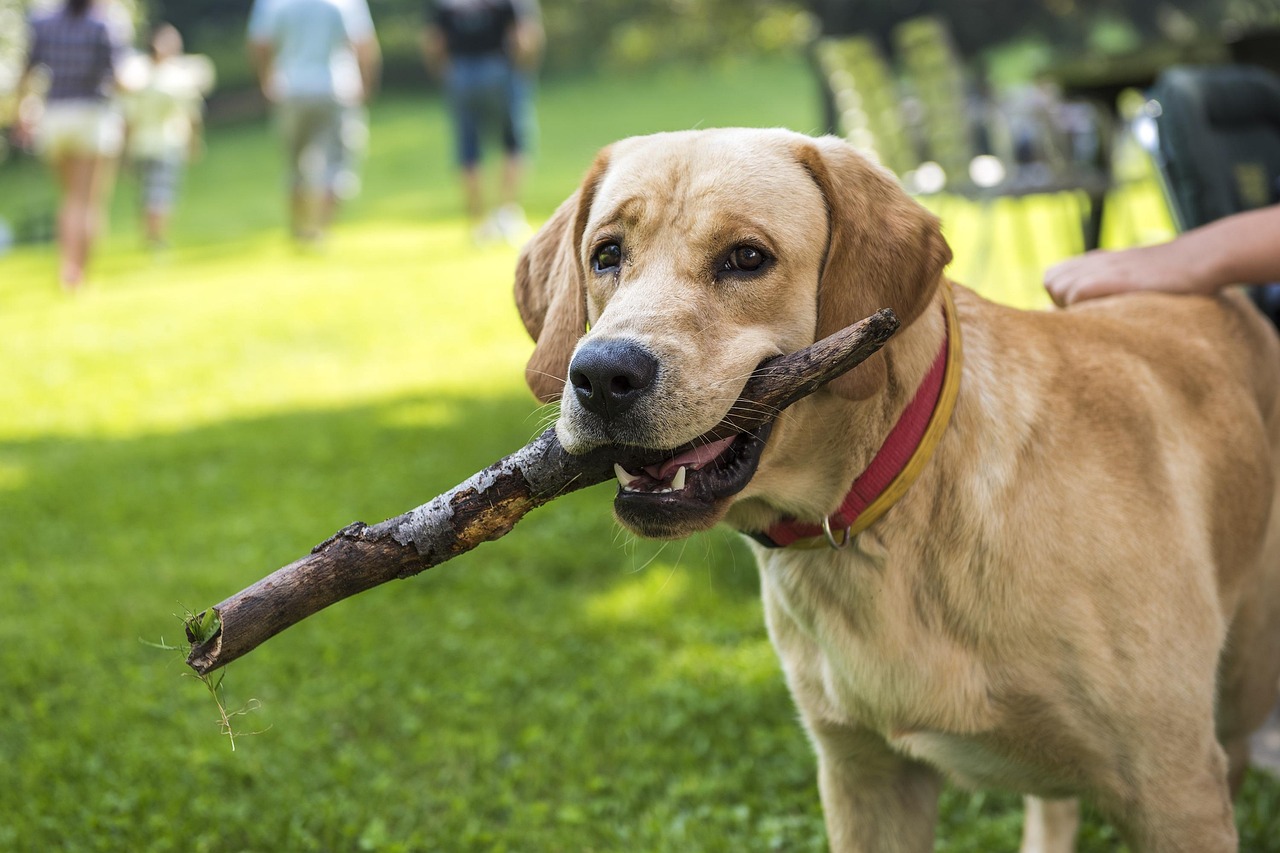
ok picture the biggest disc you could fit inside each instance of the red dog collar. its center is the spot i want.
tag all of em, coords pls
(903, 455)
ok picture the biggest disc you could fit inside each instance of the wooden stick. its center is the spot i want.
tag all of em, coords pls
(487, 505)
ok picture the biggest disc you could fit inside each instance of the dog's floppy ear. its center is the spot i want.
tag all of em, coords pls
(883, 251)
(550, 293)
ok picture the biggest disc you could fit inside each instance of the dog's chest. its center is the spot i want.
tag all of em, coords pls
(855, 649)
(847, 625)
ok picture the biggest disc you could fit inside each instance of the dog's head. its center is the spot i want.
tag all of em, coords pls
(692, 257)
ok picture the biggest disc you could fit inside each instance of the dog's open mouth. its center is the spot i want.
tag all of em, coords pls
(682, 493)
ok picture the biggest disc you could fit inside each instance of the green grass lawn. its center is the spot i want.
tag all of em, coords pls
(195, 420)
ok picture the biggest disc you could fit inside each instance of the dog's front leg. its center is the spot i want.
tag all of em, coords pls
(1050, 826)
(874, 800)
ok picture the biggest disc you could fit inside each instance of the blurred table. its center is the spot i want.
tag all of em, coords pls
(1255, 47)
(1102, 78)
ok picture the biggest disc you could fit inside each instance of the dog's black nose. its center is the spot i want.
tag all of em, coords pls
(609, 376)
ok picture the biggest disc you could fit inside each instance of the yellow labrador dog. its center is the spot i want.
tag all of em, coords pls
(1030, 551)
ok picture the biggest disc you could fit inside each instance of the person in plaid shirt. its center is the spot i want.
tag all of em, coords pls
(75, 52)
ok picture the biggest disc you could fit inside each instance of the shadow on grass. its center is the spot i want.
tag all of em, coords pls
(563, 688)
(503, 694)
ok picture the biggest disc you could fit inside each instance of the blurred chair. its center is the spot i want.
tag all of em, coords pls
(992, 154)
(863, 104)
(939, 105)
(1214, 132)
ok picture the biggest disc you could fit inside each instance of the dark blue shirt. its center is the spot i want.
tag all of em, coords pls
(473, 27)
(79, 52)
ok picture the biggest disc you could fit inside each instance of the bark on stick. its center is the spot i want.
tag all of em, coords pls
(487, 505)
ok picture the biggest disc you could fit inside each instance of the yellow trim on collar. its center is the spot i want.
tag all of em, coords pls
(938, 422)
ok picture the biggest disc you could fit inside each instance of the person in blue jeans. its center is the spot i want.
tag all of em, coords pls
(485, 51)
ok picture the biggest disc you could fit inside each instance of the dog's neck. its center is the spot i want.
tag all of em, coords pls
(878, 444)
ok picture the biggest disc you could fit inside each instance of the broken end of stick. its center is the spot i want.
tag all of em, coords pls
(885, 322)
(849, 346)
(204, 632)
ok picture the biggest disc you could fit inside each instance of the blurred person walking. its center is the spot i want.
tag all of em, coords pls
(76, 52)
(318, 63)
(164, 122)
(485, 51)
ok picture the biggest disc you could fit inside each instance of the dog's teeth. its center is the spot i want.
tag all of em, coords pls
(677, 482)
(624, 478)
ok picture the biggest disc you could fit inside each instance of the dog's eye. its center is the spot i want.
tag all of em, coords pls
(744, 259)
(607, 257)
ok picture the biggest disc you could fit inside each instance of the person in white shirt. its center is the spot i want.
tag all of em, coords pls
(318, 63)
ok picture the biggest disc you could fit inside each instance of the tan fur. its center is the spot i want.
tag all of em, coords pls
(1090, 560)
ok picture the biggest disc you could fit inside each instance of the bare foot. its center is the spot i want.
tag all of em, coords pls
(72, 278)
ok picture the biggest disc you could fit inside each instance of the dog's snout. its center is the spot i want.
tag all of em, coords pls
(609, 376)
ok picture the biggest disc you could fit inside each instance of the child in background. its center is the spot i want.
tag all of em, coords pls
(163, 114)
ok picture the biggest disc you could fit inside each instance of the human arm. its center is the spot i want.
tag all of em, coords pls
(261, 47)
(526, 38)
(29, 109)
(357, 23)
(434, 49)
(369, 59)
(1239, 249)
(262, 60)
(195, 144)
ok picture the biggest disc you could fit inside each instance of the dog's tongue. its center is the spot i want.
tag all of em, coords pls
(696, 458)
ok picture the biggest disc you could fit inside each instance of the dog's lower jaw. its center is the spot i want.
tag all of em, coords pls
(663, 518)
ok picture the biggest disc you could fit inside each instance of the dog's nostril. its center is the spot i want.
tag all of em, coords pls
(621, 385)
(581, 381)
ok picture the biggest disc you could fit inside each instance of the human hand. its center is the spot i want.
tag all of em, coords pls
(270, 92)
(1168, 267)
(22, 135)
(23, 132)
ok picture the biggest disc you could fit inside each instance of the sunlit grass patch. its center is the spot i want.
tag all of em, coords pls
(649, 594)
(262, 328)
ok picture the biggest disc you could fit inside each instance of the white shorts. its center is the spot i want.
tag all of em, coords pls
(85, 128)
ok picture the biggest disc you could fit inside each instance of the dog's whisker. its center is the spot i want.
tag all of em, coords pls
(544, 417)
(648, 561)
(675, 564)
